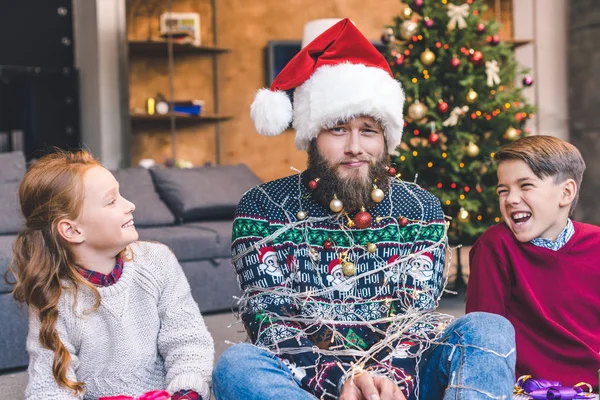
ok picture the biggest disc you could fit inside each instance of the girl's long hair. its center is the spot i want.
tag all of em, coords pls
(44, 264)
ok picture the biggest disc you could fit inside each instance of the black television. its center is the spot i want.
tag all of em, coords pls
(279, 52)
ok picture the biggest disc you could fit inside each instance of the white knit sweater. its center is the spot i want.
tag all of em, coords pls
(147, 334)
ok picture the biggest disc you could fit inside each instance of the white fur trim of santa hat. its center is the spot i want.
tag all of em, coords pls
(343, 91)
(271, 112)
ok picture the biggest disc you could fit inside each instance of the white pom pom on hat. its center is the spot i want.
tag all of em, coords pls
(271, 112)
(338, 75)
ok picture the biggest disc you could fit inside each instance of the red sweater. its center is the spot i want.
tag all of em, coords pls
(552, 298)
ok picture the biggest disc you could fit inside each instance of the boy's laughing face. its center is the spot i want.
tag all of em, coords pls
(533, 207)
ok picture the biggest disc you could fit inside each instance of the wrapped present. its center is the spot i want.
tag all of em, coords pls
(152, 395)
(544, 389)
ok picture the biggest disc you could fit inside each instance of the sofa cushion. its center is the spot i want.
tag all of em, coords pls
(207, 193)
(13, 332)
(6, 253)
(13, 166)
(188, 243)
(222, 229)
(11, 173)
(135, 184)
(11, 219)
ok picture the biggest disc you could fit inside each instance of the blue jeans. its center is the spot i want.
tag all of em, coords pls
(475, 361)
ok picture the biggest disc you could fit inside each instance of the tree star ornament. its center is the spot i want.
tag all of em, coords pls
(492, 69)
(457, 15)
(454, 115)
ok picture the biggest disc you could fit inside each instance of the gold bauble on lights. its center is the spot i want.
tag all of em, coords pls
(472, 96)
(427, 57)
(472, 150)
(417, 110)
(463, 215)
(512, 134)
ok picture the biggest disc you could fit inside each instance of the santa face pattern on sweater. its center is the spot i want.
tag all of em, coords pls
(305, 300)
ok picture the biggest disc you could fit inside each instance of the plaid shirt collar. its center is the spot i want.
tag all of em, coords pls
(562, 239)
(100, 279)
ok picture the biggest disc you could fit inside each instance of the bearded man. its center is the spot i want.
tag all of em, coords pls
(349, 315)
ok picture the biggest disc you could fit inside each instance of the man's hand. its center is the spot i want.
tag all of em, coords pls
(366, 387)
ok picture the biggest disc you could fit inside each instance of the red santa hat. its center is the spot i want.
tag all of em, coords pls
(333, 265)
(337, 76)
(265, 252)
(428, 257)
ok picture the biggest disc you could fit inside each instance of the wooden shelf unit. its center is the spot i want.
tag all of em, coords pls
(155, 47)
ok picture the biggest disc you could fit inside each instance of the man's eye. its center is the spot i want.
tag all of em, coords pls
(338, 129)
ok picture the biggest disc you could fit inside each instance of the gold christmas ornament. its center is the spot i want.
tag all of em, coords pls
(301, 215)
(463, 215)
(472, 150)
(348, 268)
(377, 194)
(512, 134)
(371, 248)
(406, 13)
(336, 204)
(417, 110)
(427, 57)
(471, 96)
(408, 29)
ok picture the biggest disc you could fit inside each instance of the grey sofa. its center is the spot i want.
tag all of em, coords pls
(190, 210)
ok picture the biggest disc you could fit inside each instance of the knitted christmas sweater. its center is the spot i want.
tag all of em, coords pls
(147, 334)
(298, 303)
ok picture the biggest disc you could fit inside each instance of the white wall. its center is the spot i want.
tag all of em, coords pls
(100, 56)
(545, 21)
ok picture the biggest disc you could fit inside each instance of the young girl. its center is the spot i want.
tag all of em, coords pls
(108, 315)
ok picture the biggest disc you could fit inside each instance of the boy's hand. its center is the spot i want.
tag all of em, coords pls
(366, 387)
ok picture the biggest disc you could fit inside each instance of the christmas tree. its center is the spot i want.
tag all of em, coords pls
(462, 105)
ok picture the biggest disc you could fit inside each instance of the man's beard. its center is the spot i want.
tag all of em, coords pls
(353, 190)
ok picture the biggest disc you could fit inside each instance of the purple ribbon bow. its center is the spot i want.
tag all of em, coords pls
(544, 389)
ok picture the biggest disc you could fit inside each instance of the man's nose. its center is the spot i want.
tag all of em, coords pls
(353, 146)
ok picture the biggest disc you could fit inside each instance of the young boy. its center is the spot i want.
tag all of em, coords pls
(539, 269)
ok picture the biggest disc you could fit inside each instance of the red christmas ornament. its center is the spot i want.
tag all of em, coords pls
(400, 59)
(312, 184)
(418, 3)
(477, 57)
(403, 221)
(429, 22)
(391, 171)
(443, 107)
(467, 189)
(455, 62)
(493, 40)
(363, 219)
(480, 28)
(327, 244)
(433, 138)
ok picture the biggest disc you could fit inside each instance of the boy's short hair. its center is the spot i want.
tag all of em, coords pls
(547, 156)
